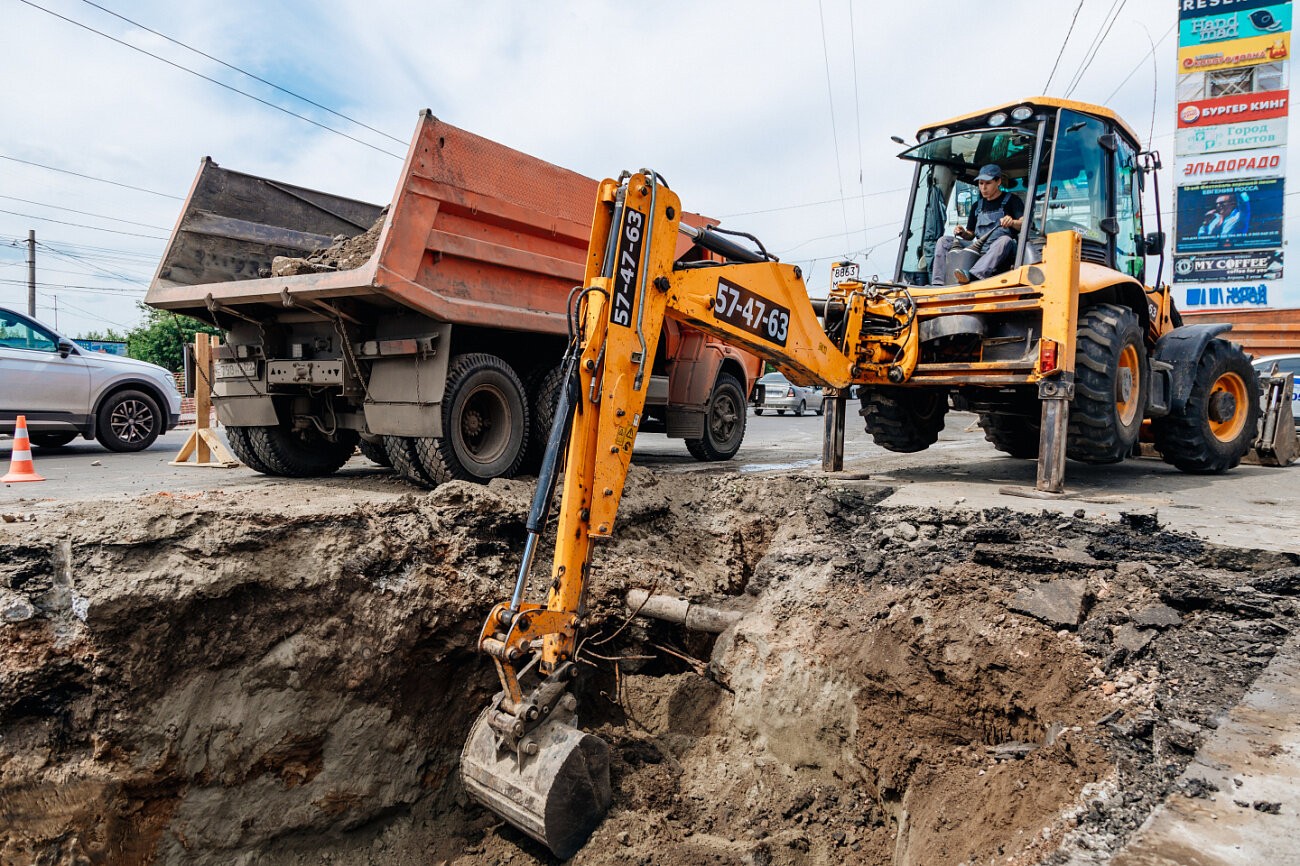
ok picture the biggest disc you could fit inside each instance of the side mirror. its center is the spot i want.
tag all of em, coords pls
(1110, 226)
(1153, 244)
(65, 348)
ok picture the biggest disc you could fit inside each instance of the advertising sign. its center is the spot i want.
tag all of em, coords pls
(1238, 52)
(1230, 295)
(1241, 108)
(1197, 8)
(1264, 78)
(1231, 136)
(1232, 215)
(1234, 165)
(1223, 267)
(1236, 24)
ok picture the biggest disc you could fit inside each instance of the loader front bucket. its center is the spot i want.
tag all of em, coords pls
(558, 795)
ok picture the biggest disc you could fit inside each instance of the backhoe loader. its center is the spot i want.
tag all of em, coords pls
(1070, 327)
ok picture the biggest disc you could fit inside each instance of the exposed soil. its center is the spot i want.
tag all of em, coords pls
(236, 680)
(345, 253)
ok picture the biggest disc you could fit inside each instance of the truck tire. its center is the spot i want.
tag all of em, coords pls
(543, 398)
(724, 422)
(242, 447)
(905, 420)
(1015, 435)
(375, 452)
(128, 421)
(484, 423)
(1110, 386)
(405, 458)
(301, 453)
(1219, 423)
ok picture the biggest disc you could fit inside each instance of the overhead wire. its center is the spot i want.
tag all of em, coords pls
(212, 80)
(89, 177)
(1064, 42)
(835, 137)
(1078, 79)
(242, 71)
(80, 225)
(84, 213)
(1138, 65)
(857, 113)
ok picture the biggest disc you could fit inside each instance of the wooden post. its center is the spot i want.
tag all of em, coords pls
(203, 443)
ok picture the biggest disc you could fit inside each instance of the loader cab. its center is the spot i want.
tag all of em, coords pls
(1074, 166)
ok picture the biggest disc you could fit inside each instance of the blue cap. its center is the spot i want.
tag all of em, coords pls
(989, 172)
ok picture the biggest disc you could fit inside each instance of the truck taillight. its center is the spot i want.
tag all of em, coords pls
(1047, 355)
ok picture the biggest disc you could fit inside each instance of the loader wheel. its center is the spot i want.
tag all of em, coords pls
(241, 445)
(724, 422)
(1014, 435)
(903, 419)
(1110, 386)
(301, 453)
(405, 458)
(375, 452)
(484, 423)
(1217, 426)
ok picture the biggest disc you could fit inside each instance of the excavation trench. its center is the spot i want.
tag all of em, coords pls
(222, 681)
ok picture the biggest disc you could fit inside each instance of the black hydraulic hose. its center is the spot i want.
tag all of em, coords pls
(549, 474)
(713, 241)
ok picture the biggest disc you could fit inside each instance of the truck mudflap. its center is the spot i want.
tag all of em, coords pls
(558, 794)
(1182, 348)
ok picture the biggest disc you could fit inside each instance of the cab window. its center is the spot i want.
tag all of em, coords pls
(1128, 212)
(1078, 196)
(16, 333)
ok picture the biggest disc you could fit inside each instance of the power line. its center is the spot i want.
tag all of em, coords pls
(103, 290)
(207, 78)
(1134, 70)
(865, 195)
(79, 225)
(67, 256)
(1078, 79)
(857, 107)
(835, 137)
(245, 72)
(84, 213)
(1064, 42)
(89, 177)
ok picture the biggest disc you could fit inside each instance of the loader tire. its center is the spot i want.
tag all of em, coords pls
(1219, 423)
(724, 422)
(1110, 386)
(1014, 435)
(301, 453)
(241, 445)
(484, 423)
(405, 457)
(905, 420)
(375, 452)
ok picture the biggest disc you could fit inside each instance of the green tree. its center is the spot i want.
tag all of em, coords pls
(109, 336)
(162, 337)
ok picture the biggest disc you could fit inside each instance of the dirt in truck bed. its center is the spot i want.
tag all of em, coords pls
(239, 679)
(344, 254)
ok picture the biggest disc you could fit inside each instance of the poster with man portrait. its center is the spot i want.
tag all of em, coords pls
(1230, 215)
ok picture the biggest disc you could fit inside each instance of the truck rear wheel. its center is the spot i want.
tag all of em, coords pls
(242, 447)
(903, 419)
(375, 451)
(1110, 386)
(543, 398)
(1219, 423)
(484, 423)
(404, 455)
(724, 422)
(1014, 435)
(304, 453)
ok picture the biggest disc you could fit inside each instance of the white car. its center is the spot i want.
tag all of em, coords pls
(66, 391)
(1285, 364)
(774, 392)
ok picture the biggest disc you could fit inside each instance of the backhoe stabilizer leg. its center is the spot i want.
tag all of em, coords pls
(1051, 441)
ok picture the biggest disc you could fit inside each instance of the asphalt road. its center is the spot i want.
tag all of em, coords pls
(1253, 506)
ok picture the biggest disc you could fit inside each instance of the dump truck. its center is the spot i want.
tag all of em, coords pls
(430, 332)
(1065, 352)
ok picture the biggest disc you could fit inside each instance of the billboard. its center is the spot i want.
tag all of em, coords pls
(1235, 165)
(1231, 136)
(1238, 52)
(1199, 8)
(1243, 295)
(1238, 108)
(1235, 23)
(1229, 215)
(1251, 265)
(1263, 78)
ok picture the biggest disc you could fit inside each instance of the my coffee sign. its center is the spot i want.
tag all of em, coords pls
(1240, 108)
(1263, 265)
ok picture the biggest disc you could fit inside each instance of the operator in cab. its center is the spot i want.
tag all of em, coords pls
(999, 212)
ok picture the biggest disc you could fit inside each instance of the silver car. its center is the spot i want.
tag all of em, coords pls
(776, 393)
(1285, 364)
(66, 391)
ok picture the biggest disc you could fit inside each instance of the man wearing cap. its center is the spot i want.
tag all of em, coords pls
(997, 214)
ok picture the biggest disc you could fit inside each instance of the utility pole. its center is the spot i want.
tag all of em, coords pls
(31, 273)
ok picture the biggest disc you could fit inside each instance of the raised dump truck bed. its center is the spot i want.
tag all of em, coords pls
(465, 290)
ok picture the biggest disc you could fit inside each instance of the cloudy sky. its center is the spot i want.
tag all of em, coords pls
(775, 115)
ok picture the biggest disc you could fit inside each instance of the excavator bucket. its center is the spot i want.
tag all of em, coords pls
(558, 795)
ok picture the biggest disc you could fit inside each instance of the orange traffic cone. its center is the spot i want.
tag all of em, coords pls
(20, 462)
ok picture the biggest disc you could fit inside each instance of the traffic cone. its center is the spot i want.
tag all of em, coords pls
(20, 461)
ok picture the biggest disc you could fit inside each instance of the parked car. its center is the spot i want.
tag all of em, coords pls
(777, 393)
(66, 391)
(1285, 364)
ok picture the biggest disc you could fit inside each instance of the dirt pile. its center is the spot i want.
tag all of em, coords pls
(343, 254)
(214, 681)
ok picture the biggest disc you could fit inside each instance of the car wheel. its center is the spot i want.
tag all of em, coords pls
(798, 413)
(128, 421)
(51, 440)
(821, 407)
(758, 411)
